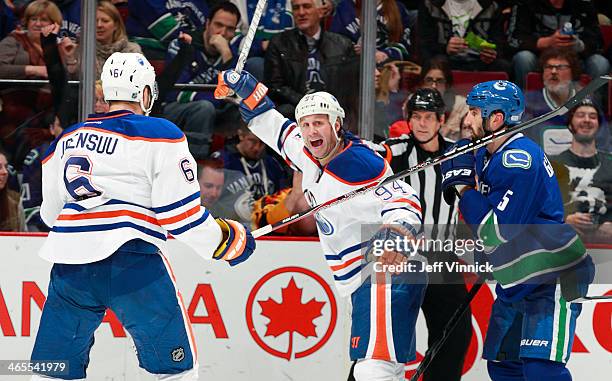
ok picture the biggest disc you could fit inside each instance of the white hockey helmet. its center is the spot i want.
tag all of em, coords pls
(125, 76)
(320, 102)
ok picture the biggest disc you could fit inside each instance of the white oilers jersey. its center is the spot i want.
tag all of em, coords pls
(118, 177)
(340, 226)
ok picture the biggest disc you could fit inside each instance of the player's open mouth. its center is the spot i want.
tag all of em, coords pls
(316, 143)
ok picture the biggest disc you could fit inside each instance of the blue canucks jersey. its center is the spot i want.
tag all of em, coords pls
(155, 23)
(518, 214)
(31, 188)
(71, 20)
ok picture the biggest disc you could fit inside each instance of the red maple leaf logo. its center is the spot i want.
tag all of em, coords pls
(290, 315)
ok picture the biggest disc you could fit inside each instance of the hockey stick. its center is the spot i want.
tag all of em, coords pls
(248, 39)
(454, 320)
(594, 299)
(222, 90)
(448, 329)
(572, 102)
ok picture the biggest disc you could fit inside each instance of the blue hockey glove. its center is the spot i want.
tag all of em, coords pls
(575, 281)
(458, 172)
(238, 243)
(253, 93)
(393, 237)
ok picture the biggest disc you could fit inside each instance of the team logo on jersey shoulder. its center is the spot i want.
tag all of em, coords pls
(516, 158)
(324, 225)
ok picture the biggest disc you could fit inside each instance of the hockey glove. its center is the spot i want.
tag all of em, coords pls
(458, 172)
(254, 100)
(238, 244)
(391, 238)
(575, 281)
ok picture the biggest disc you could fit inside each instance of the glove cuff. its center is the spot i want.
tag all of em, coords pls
(234, 241)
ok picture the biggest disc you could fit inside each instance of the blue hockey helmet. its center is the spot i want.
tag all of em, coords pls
(502, 96)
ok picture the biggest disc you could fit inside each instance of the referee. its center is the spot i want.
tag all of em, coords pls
(444, 293)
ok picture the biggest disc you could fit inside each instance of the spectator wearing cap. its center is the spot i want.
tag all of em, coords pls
(561, 71)
(588, 203)
(469, 32)
(538, 25)
(308, 58)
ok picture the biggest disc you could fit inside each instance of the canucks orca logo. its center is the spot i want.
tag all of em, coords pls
(500, 85)
(324, 225)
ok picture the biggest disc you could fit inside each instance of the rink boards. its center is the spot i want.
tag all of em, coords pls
(227, 307)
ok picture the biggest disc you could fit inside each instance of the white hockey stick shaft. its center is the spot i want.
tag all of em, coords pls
(571, 103)
(248, 39)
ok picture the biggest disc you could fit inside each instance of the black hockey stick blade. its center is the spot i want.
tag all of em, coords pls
(595, 84)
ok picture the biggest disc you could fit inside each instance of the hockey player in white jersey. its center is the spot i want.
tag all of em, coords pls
(334, 162)
(113, 187)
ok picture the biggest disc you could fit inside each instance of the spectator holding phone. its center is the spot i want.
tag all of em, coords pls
(468, 32)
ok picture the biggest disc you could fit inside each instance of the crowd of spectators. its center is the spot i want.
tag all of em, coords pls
(551, 48)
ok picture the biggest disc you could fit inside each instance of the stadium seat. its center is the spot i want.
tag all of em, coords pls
(606, 32)
(158, 65)
(463, 81)
(122, 7)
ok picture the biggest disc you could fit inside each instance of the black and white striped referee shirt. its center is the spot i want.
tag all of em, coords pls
(403, 153)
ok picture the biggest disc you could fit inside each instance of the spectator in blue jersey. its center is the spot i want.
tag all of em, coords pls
(202, 56)
(446, 27)
(8, 20)
(276, 18)
(153, 24)
(588, 199)
(392, 30)
(307, 59)
(541, 24)
(11, 212)
(71, 19)
(560, 75)
(264, 172)
(31, 185)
